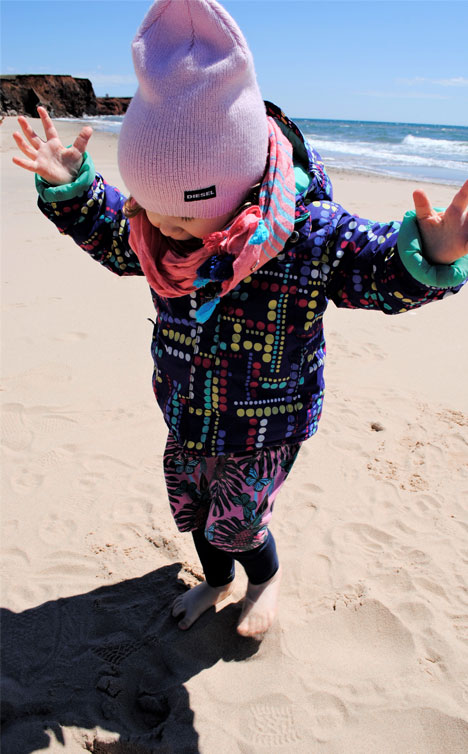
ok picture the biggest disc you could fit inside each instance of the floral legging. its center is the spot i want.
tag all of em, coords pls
(230, 496)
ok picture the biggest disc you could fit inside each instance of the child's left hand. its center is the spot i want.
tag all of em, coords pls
(444, 234)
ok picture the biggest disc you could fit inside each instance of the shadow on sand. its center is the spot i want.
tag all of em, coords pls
(112, 658)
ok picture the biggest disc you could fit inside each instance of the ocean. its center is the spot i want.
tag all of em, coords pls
(402, 150)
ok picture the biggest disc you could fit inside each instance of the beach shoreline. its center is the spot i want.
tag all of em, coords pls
(369, 653)
(69, 127)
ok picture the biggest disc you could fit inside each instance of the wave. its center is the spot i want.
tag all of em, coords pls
(390, 154)
(396, 152)
(109, 123)
(423, 144)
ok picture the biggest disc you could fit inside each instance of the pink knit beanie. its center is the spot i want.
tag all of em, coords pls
(195, 137)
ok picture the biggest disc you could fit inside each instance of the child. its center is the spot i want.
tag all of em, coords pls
(232, 222)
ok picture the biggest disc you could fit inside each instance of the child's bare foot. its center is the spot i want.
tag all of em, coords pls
(198, 600)
(260, 606)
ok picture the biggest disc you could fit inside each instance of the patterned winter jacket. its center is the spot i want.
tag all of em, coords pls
(252, 374)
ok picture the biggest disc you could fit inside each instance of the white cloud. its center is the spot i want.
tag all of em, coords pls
(455, 81)
(401, 95)
(418, 80)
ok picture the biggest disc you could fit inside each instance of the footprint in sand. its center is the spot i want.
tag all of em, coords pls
(54, 529)
(270, 722)
(89, 483)
(15, 435)
(310, 494)
(368, 538)
(373, 351)
(26, 481)
(327, 715)
(49, 461)
(105, 465)
(165, 545)
(45, 420)
(69, 563)
(138, 689)
(427, 503)
(30, 477)
(15, 557)
(138, 487)
(72, 336)
(384, 495)
(276, 722)
(45, 376)
(353, 644)
(460, 624)
(430, 586)
(136, 509)
(417, 614)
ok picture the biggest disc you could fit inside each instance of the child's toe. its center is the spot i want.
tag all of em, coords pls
(178, 607)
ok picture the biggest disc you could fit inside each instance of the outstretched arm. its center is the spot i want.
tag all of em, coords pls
(444, 234)
(56, 164)
(395, 267)
(76, 198)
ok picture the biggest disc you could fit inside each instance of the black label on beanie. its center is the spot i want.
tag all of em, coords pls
(198, 194)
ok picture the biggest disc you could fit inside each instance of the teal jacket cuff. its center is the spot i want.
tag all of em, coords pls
(433, 275)
(82, 182)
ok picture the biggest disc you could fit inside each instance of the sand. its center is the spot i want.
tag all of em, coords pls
(369, 653)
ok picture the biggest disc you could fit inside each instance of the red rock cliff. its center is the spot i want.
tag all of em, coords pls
(63, 96)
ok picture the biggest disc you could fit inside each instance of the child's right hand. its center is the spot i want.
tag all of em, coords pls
(55, 163)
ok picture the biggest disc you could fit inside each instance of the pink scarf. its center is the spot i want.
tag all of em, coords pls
(255, 236)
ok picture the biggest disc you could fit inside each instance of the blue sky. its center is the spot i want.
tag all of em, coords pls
(403, 60)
